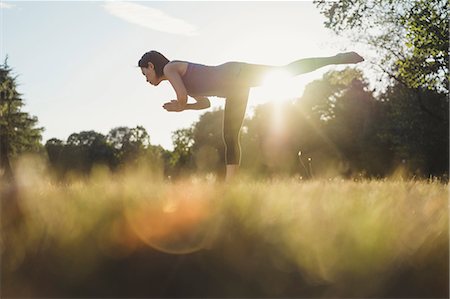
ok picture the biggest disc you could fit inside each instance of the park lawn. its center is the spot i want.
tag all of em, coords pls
(134, 234)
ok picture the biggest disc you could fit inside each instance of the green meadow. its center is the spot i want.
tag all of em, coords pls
(134, 234)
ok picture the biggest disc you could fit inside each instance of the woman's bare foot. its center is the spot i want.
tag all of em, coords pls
(348, 58)
(232, 171)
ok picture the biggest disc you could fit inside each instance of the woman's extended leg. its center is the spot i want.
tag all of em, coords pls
(311, 64)
(254, 74)
(233, 117)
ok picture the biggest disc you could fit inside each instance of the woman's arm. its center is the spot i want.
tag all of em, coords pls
(172, 71)
(201, 103)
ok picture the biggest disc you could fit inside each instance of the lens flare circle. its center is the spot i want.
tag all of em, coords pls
(180, 223)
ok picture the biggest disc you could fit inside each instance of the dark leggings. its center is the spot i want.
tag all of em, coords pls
(233, 117)
(252, 75)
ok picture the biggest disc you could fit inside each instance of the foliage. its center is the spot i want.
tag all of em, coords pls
(412, 40)
(410, 36)
(181, 158)
(419, 142)
(427, 27)
(122, 147)
(328, 131)
(128, 142)
(80, 153)
(18, 131)
(339, 128)
(208, 148)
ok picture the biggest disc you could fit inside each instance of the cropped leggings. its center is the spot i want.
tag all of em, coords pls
(252, 75)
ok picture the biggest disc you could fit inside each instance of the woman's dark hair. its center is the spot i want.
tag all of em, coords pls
(157, 59)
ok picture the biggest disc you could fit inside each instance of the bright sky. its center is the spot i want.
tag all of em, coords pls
(76, 61)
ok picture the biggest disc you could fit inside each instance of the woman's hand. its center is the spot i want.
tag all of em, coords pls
(173, 106)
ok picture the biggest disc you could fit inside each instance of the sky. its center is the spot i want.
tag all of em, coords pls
(76, 62)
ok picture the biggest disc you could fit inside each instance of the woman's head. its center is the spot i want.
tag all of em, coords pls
(152, 64)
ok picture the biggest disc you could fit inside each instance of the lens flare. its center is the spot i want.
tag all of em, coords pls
(181, 222)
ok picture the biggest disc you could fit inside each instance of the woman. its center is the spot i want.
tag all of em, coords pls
(231, 80)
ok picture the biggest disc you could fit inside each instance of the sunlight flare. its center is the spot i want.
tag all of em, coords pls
(278, 87)
(276, 77)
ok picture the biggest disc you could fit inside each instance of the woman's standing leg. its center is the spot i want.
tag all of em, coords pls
(235, 106)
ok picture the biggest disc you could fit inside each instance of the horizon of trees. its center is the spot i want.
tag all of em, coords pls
(338, 127)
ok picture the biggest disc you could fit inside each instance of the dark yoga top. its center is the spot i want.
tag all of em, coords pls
(219, 81)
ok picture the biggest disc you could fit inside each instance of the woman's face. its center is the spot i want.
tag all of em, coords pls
(150, 74)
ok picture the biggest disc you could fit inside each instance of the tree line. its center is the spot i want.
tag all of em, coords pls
(338, 127)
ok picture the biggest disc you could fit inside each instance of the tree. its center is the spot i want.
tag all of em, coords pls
(208, 148)
(132, 148)
(269, 146)
(86, 149)
(181, 157)
(337, 130)
(128, 143)
(426, 66)
(18, 131)
(122, 147)
(353, 130)
(419, 142)
(55, 148)
(79, 153)
(411, 36)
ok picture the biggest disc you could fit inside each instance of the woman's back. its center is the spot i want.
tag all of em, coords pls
(204, 80)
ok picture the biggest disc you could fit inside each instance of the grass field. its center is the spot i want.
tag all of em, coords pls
(135, 235)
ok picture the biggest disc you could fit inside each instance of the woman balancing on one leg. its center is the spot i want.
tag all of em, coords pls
(231, 80)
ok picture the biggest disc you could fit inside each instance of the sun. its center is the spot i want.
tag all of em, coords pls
(278, 87)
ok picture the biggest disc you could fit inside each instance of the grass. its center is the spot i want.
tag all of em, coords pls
(135, 235)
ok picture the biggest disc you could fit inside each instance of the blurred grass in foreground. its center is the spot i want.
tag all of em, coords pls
(134, 235)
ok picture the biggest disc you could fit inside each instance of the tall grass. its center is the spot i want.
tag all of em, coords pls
(133, 234)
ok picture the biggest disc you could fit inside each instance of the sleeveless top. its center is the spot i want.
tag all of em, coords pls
(219, 81)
